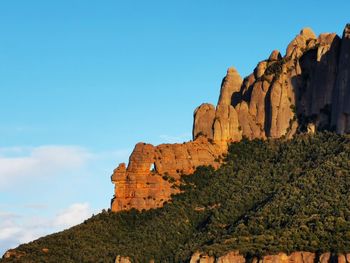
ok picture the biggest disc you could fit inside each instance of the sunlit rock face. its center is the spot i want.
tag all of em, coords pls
(153, 172)
(306, 90)
(295, 257)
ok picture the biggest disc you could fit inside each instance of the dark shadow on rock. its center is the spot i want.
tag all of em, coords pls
(314, 87)
(236, 98)
(268, 114)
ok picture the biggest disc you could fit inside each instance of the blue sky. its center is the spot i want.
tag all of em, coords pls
(82, 81)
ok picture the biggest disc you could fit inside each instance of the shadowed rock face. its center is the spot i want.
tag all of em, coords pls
(341, 108)
(306, 90)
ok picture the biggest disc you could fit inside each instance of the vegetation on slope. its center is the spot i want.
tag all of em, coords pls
(269, 196)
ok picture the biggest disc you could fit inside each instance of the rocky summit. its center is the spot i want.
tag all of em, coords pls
(306, 90)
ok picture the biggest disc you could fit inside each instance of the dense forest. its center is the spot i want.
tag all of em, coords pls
(268, 196)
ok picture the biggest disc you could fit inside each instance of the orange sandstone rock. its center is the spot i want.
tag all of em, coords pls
(295, 257)
(203, 121)
(149, 179)
(231, 83)
(201, 258)
(231, 257)
(13, 254)
(120, 259)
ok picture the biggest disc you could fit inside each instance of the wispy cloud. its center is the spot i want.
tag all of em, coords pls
(74, 214)
(17, 229)
(17, 163)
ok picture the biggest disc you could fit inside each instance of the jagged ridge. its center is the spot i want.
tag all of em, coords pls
(306, 90)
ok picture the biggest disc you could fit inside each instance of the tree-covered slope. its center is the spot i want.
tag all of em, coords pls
(268, 196)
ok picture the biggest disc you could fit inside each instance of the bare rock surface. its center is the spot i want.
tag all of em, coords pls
(203, 121)
(230, 84)
(120, 259)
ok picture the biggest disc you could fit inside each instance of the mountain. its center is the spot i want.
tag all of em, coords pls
(308, 89)
(265, 178)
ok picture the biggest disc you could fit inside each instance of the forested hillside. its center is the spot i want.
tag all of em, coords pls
(268, 196)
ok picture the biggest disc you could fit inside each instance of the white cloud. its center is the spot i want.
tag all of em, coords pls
(17, 163)
(74, 214)
(16, 229)
(13, 231)
(8, 232)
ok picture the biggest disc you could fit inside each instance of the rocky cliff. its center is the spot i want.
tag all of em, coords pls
(307, 89)
(150, 177)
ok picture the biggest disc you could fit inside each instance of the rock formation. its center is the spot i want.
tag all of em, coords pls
(120, 259)
(236, 257)
(295, 257)
(306, 90)
(13, 254)
(149, 179)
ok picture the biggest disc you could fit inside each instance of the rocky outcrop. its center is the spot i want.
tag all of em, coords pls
(295, 257)
(201, 258)
(236, 257)
(284, 95)
(13, 254)
(203, 121)
(306, 90)
(230, 84)
(153, 171)
(120, 259)
(220, 124)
